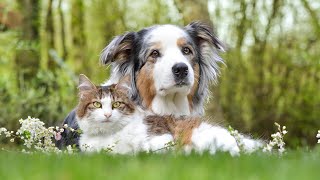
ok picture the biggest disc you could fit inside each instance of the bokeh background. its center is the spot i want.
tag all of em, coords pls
(272, 71)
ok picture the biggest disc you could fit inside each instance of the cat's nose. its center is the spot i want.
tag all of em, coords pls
(107, 115)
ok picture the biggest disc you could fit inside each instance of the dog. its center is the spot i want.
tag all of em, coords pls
(169, 69)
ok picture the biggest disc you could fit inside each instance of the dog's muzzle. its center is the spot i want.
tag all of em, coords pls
(180, 72)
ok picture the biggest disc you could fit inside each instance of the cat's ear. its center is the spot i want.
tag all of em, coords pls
(85, 83)
(124, 84)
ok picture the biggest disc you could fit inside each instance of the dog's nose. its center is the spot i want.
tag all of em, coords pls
(180, 70)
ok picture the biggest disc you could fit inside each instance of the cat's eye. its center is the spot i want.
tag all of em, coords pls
(116, 104)
(97, 104)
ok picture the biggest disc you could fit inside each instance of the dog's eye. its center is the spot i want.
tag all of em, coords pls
(186, 51)
(155, 54)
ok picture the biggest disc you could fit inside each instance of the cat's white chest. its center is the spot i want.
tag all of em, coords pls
(131, 139)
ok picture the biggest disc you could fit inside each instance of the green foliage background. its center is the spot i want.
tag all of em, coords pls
(272, 71)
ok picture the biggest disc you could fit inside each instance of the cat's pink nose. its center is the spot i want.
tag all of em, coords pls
(107, 115)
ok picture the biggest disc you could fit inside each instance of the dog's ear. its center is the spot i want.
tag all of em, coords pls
(203, 34)
(118, 50)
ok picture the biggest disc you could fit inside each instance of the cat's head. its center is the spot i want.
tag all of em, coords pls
(103, 109)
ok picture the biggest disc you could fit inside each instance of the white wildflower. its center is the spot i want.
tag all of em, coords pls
(69, 149)
(169, 145)
(268, 148)
(86, 147)
(36, 135)
(2, 130)
(318, 136)
(238, 137)
(277, 140)
(109, 148)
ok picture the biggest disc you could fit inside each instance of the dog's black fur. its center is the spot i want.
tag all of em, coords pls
(68, 137)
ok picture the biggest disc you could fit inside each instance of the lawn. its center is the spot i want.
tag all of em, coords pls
(292, 165)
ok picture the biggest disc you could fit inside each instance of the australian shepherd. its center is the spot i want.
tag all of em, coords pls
(170, 67)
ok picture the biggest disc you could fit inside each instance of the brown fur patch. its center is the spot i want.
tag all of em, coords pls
(126, 80)
(181, 42)
(123, 50)
(120, 94)
(145, 84)
(196, 70)
(181, 128)
(86, 98)
(158, 125)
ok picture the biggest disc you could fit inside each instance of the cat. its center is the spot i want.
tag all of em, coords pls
(109, 120)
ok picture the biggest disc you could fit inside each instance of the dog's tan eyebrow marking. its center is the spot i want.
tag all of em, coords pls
(183, 42)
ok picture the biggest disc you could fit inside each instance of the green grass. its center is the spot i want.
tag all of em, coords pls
(293, 165)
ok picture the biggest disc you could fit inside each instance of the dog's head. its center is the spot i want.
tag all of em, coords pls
(166, 61)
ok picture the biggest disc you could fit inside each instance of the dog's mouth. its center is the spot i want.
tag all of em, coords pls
(181, 83)
(177, 87)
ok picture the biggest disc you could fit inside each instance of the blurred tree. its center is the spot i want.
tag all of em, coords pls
(62, 31)
(27, 55)
(313, 15)
(49, 27)
(9, 19)
(78, 33)
(192, 10)
(272, 71)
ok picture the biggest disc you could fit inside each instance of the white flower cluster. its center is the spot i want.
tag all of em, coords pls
(318, 136)
(277, 140)
(238, 137)
(6, 132)
(36, 136)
